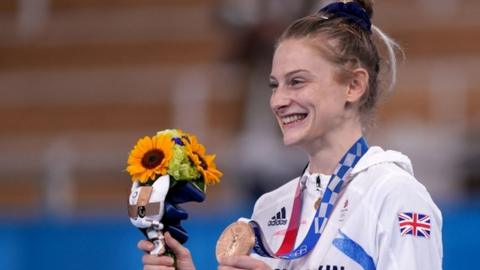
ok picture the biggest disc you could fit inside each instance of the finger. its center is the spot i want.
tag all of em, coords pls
(157, 267)
(145, 245)
(223, 267)
(233, 261)
(176, 247)
(228, 268)
(243, 262)
(157, 260)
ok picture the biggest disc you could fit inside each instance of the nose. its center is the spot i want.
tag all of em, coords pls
(279, 101)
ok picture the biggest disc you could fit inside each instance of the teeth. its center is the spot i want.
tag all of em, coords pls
(292, 118)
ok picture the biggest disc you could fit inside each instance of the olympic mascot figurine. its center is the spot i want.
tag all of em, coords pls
(167, 169)
(146, 209)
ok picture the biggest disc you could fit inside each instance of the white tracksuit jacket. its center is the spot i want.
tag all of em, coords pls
(363, 231)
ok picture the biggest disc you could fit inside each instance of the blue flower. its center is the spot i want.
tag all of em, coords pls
(178, 141)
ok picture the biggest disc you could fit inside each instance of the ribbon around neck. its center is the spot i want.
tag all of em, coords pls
(323, 213)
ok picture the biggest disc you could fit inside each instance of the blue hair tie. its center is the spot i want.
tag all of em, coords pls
(352, 11)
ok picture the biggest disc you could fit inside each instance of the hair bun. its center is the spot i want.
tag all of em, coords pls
(367, 5)
(352, 11)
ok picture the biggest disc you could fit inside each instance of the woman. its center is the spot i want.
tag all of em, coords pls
(366, 211)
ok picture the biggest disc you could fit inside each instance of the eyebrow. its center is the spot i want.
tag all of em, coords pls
(291, 73)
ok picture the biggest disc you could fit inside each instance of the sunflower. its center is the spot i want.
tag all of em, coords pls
(203, 163)
(150, 158)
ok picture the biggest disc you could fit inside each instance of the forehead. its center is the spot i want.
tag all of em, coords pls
(295, 54)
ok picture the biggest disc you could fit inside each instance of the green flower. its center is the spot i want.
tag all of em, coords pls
(173, 133)
(180, 166)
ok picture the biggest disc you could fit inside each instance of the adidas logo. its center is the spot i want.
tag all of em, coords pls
(279, 219)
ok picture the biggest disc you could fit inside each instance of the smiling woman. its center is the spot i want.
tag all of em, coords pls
(353, 206)
(308, 100)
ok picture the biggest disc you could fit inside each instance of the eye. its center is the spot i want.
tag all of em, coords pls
(296, 82)
(273, 85)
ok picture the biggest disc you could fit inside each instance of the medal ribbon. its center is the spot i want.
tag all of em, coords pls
(293, 225)
(330, 197)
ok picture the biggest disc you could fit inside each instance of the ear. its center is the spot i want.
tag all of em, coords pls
(358, 85)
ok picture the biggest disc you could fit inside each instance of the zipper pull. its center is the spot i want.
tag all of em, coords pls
(319, 183)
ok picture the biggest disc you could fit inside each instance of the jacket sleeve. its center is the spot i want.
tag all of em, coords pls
(409, 233)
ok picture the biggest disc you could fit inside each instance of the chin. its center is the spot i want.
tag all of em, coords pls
(286, 142)
(295, 134)
(291, 140)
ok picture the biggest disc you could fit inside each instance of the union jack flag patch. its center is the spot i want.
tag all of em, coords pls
(415, 224)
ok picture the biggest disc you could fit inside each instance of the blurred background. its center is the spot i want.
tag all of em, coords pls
(82, 80)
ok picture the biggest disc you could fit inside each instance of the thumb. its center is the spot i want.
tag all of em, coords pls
(177, 248)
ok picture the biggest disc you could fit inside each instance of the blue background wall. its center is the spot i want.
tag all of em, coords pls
(110, 243)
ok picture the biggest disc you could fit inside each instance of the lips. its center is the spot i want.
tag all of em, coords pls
(292, 118)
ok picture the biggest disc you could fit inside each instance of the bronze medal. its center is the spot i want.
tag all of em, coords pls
(317, 203)
(237, 239)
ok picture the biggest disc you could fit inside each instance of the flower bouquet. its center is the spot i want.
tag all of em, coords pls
(167, 169)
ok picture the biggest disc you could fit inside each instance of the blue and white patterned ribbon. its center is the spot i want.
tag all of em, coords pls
(330, 197)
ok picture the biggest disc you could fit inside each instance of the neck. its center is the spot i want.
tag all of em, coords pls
(328, 150)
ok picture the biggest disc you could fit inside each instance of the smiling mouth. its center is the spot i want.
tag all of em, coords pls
(293, 118)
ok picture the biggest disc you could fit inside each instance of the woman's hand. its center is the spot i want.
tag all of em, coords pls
(183, 257)
(242, 263)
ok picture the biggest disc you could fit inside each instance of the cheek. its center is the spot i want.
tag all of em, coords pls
(326, 105)
(335, 98)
